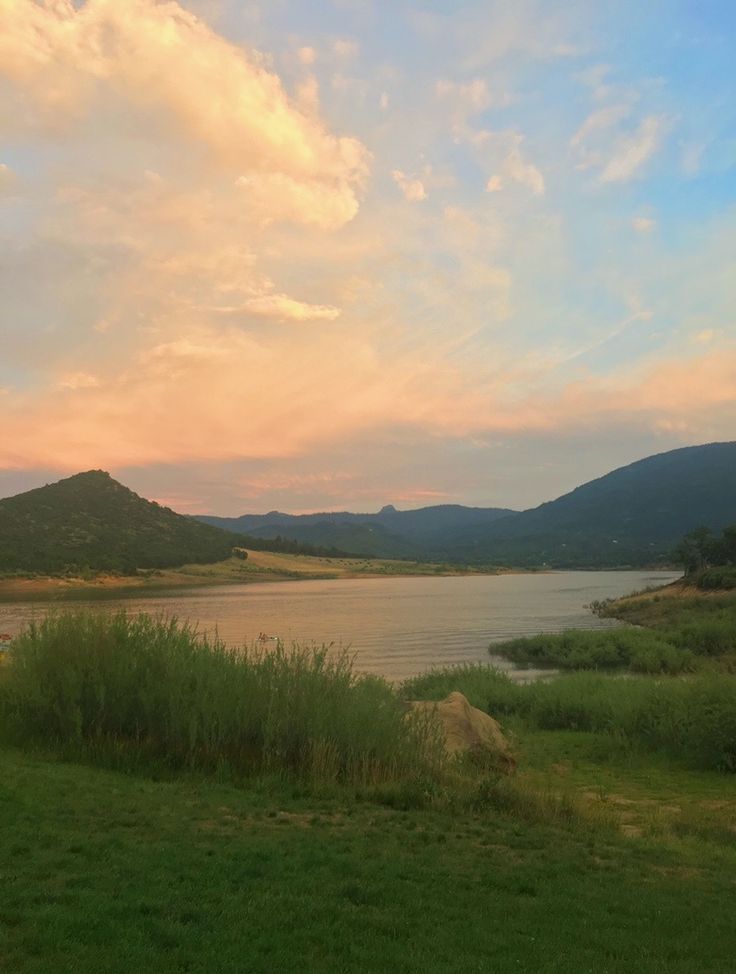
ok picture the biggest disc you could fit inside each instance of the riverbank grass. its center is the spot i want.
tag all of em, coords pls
(135, 689)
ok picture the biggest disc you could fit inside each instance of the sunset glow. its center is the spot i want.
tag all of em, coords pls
(338, 255)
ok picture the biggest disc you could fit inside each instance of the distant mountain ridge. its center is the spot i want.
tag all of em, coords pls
(91, 521)
(389, 533)
(632, 516)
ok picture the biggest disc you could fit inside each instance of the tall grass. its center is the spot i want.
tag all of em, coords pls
(692, 719)
(139, 688)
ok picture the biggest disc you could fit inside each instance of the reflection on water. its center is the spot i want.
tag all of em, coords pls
(396, 626)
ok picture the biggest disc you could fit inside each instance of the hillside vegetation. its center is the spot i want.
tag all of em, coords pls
(635, 515)
(632, 516)
(90, 521)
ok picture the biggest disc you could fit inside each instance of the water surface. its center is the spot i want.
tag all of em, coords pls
(396, 626)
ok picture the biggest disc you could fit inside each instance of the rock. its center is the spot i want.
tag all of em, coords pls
(469, 731)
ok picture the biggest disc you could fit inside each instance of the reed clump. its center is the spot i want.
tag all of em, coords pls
(136, 689)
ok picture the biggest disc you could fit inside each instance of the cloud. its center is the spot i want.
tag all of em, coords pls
(471, 98)
(215, 395)
(643, 224)
(491, 31)
(287, 309)
(692, 158)
(464, 101)
(345, 49)
(705, 337)
(413, 189)
(79, 380)
(633, 151)
(306, 55)
(307, 95)
(68, 63)
(7, 178)
(513, 167)
(600, 120)
(618, 149)
(595, 79)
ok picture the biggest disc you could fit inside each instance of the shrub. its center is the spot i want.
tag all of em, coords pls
(637, 649)
(717, 578)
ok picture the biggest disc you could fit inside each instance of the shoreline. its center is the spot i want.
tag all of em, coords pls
(260, 567)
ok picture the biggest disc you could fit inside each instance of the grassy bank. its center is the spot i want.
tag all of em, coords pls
(673, 606)
(678, 697)
(680, 630)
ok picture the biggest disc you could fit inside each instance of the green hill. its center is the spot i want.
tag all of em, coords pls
(92, 521)
(632, 516)
(421, 533)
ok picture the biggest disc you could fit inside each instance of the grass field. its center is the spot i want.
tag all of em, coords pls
(109, 872)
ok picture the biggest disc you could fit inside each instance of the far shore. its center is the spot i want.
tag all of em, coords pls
(260, 566)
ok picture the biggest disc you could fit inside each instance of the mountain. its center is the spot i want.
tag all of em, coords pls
(422, 533)
(92, 521)
(632, 516)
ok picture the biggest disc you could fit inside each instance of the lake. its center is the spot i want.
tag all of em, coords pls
(396, 626)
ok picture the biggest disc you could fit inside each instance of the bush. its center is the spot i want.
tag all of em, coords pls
(717, 578)
(144, 688)
(639, 650)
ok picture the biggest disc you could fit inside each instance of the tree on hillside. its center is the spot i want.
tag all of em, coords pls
(700, 549)
(695, 550)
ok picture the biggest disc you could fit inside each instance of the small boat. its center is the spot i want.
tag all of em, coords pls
(5, 637)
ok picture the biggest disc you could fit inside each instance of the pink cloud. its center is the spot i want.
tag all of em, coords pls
(214, 397)
(68, 61)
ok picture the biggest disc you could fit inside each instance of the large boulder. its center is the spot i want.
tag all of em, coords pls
(468, 730)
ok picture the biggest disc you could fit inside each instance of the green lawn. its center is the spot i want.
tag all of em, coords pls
(109, 872)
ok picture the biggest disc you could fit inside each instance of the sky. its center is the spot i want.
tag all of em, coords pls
(337, 254)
